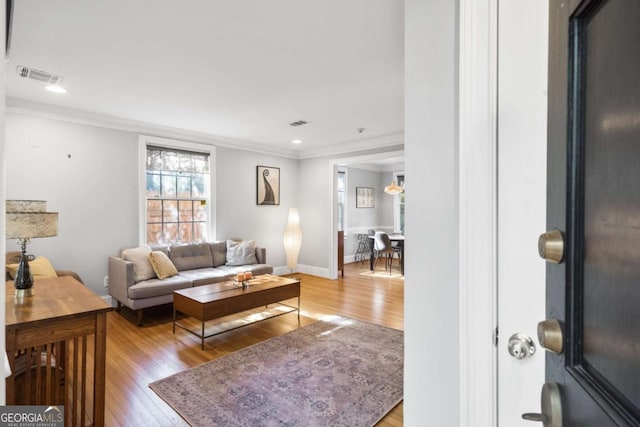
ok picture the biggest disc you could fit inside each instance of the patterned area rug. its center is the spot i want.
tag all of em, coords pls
(338, 372)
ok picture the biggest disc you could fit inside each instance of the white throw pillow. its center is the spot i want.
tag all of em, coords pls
(142, 269)
(241, 253)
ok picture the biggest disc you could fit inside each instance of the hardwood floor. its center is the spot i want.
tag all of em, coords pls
(137, 356)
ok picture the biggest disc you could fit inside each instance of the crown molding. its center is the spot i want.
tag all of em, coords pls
(355, 145)
(18, 106)
(28, 108)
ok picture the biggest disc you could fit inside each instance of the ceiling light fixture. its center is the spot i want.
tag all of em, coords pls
(296, 141)
(393, 188)
(55, 89)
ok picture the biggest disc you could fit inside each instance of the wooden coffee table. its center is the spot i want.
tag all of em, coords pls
(217, 300)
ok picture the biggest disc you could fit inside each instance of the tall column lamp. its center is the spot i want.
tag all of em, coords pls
(292, 238)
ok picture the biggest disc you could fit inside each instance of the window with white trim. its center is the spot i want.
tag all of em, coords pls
(177, 195)
(399, 205)
(341, 196)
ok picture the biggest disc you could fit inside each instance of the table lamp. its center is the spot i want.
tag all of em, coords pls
(28, 219)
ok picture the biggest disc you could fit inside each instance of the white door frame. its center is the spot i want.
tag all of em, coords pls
(478, 190)
(478, 211)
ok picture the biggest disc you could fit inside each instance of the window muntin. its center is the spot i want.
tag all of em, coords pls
(176, 195)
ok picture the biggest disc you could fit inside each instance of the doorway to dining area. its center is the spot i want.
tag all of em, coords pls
(361, 207)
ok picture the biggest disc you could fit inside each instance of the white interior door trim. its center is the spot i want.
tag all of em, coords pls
(478, 211)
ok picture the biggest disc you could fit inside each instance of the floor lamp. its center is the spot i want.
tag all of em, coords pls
(28, 219)
(292, 238)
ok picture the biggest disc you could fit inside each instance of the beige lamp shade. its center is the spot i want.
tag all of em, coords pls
(292, 238)
(27, 219)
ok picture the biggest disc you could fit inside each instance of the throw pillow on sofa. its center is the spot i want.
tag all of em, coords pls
(142, 269)
(241, 253)
(40, 268)
(162, 265)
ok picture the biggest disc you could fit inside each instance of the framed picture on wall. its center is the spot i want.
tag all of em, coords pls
(268, 185)
(365, 197)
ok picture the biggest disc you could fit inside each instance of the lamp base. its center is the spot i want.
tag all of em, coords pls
(23, 281)
(22, 293)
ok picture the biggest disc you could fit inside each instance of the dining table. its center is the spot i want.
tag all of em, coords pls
(399, 238)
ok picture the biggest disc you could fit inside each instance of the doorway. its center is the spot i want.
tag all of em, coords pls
(385, 161)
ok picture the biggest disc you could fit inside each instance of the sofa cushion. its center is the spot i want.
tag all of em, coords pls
(139, 256)
(156, 287)
(162, 265)
(255, 269)
(219, 253)
(204, 276)
(190, 257)
(241, 253)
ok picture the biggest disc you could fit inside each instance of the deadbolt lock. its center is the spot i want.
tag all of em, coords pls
(550, 335)
(551, 246)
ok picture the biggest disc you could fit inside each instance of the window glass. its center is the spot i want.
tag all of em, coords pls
(341, 195)
(177, 195)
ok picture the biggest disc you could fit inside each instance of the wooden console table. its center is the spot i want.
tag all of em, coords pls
(49, 335)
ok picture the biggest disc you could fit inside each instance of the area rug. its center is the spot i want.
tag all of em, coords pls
(335, 372)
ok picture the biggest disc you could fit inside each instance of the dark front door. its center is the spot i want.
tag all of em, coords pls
(594, 199)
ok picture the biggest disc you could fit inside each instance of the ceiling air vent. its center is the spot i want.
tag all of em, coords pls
(38, 75)
(298, 123)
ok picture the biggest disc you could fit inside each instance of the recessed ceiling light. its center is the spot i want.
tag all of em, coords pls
(296, 141)
(55, 89)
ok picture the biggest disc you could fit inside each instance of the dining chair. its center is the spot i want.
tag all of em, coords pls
(382, 245)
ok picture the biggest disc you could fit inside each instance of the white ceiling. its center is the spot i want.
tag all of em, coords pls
(237, 70)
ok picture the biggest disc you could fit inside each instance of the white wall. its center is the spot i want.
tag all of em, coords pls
(95, 192)
(314, 200)
(386, 202)
(361, 219)
(431, 265)
(238, 215)
(316, 189)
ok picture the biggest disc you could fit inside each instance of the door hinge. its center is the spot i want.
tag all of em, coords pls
(495, 337)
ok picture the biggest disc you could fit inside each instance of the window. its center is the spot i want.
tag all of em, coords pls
(342, 187)
(399, 211)
(177, 195)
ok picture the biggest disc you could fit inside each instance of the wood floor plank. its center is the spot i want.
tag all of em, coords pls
(139, 355)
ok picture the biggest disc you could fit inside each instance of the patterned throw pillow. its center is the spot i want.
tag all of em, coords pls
(162, 265)
(241, 253)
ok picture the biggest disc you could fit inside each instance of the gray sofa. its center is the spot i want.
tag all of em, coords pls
(197, 264)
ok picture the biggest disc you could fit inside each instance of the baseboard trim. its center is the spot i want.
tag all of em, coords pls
(108, 299)
(301, 268)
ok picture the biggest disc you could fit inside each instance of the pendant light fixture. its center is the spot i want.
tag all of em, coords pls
(393, 188)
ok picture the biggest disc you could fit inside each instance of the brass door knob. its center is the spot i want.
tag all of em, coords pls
(550, 335)
(551, 246)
